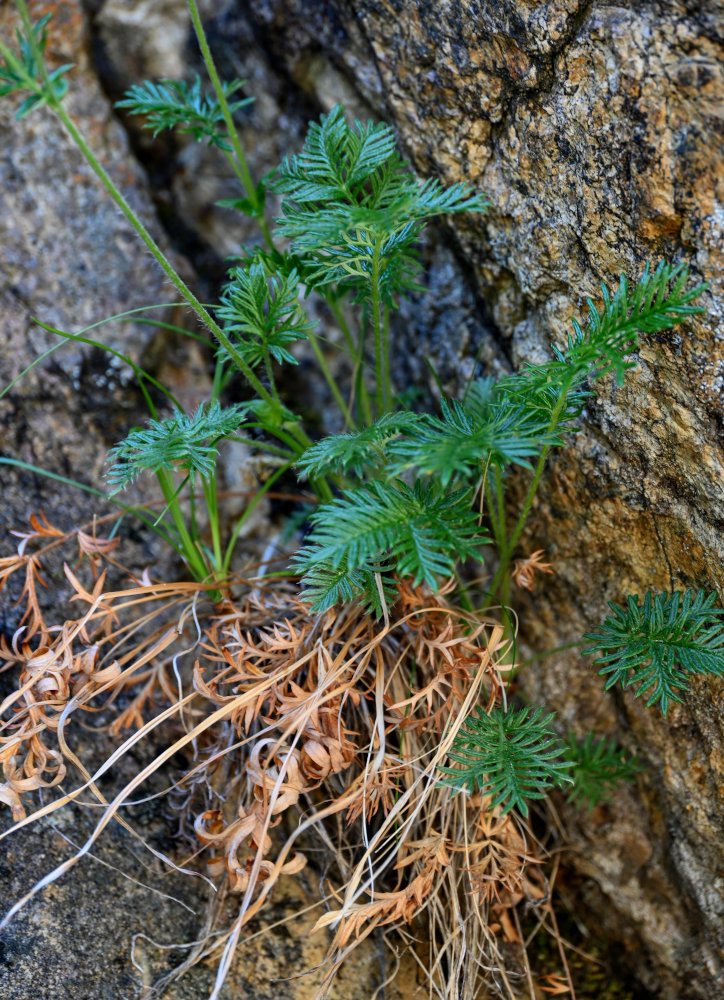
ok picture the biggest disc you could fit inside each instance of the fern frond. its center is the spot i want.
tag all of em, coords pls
(325, 586)
(511, 756)
(603, 345)
(180, 442)
(421, 531)
(261, 313)
(465, 439)
(657, 302)
(599, 767)
(349, 196)
(356, 451)
(21, 71)
(350, 263)
(181, 105)
(655, 646)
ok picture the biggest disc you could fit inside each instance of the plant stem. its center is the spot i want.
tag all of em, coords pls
(339, 316)
(129, 213)
(242, 171)
(506, 554)
(212, 508)
(331, 381)
(386, 355)
(270, 375)
(258, 496)
(380, 373)
(358, 381)
(193, 557)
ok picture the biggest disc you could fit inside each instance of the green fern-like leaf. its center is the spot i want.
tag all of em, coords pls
(21, 71)
(358, 451)
(325, 586)
(262, 314)
(419, 531)
(183, 106)
(657, 302)
(464, 440)
(656, 645)
(599, 768)
(180, 442)
(511, 756)
(352, 204)
(556, 390)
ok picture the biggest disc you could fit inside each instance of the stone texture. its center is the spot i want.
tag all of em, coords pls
(69, 259)
(595, 129)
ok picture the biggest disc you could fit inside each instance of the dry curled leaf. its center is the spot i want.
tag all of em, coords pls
(557, 986)
(524, 570)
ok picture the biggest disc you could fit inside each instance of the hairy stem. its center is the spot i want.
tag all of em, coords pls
(380, 373)
(242, 169)
(509, 548)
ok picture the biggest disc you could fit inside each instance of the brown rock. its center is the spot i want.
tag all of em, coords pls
(595, 129)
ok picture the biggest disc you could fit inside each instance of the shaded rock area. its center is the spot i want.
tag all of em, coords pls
(595, 130)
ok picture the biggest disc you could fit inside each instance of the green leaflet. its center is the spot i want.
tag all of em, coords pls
(180, 442)
(656, 645)
(176, 104)
(420, 532)
(511, 756)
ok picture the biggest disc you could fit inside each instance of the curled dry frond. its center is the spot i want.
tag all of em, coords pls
(308, 731)
(524, 570)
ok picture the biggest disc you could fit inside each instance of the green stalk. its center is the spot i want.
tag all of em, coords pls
(193, 557)
(509, 548)
(358, 381)
(331, 381)
(342, 322)
(380, 374)
(493, 517)
(386, 355)
(258, 496)
(270, 375)
(131, 216)
(243, 170)
(212, 508)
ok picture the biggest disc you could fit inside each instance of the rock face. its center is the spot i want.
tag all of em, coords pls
(595, 130)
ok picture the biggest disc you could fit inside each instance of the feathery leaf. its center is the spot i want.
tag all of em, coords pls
(358, 451)
(181, 105)
(511, 756)
(262, 314)
(419, 531)
(350, 199)
(599, 767)
(180, 442)
(656, 645)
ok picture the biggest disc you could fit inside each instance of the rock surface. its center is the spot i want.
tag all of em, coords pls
(595, 130)
(70, 259)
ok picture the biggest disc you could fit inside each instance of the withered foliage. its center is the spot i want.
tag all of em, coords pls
(524, 570)
(304, 728)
